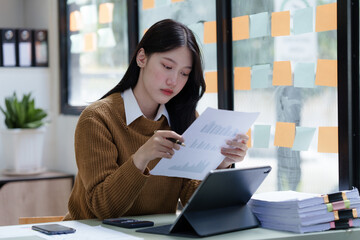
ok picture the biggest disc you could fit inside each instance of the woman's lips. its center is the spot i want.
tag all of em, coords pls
(167, 92)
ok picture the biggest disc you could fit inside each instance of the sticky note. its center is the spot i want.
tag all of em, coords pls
(249, 140)
(326, 73)
(106, 38)
(284, 134)
(280, 23)
(282, 73)
(328, 140)
(261, 136)
(90, 42)
(303, 21)
(260, 76)
(303, 137)
(326, 17)
(89, 14)
(148, 4)
(304, 75)
(240, 28)
(77, 43)
(242, 78)
(259, 25)
(210, 32)
(75, 21)
(211, 82)
(106, 12)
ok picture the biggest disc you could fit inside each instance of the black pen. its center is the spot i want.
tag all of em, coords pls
(176, 141)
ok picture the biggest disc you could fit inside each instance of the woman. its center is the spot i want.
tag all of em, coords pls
(119, 138)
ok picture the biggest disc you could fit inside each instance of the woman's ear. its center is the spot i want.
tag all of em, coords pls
(141, 58)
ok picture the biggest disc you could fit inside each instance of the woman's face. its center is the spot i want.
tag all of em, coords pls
(162, 75)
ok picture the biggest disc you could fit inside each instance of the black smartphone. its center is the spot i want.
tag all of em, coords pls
(53, 229)
(128, 223)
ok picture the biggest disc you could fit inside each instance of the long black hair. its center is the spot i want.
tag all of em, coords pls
(164, 36)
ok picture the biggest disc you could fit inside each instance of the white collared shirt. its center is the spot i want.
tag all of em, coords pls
(133, 111)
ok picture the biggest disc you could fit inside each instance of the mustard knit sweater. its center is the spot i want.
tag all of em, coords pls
(108, 184)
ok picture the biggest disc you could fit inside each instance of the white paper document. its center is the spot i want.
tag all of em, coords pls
(204, 139)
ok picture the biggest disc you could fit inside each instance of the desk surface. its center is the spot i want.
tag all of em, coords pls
(250, 234)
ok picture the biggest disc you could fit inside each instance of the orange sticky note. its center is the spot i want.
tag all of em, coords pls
(326, 17)
(284, 134)
(240, 28)
(147, 4)
(242, 78)
(75, 21)
(280, 23)
(326, 73)
(249, 141)
(210, 32)
(328, 140)
(106, 12)
(90, 42)
(211, 82)
(282, 73)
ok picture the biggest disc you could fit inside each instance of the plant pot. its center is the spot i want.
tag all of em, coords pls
(23, 150)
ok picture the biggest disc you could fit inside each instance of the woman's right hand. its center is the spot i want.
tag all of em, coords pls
(156, 147)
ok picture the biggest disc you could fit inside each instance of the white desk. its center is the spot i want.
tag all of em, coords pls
(250, 234)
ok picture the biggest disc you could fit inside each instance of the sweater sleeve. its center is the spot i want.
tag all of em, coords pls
(188, 188)
(110, 189)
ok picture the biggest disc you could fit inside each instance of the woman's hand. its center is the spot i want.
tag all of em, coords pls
(156, 147)
(235, 152)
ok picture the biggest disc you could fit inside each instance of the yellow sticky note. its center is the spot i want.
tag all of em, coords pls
(210, 32)
(249, 141)
(147, 4)
(90, 42)
(282, 73)
(240, 28)
(106, 12)
(326, 73)
(328, 140)
(326, 17)
(242, 78)
(211, 82)
(75, 21)
(284, 134)
(280, 23)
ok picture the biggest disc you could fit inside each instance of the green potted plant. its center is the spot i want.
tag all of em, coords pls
(23, 138)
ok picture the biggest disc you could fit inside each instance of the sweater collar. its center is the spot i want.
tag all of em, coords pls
(133, 111)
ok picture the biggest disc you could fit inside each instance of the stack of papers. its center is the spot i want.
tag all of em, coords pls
(306, 212)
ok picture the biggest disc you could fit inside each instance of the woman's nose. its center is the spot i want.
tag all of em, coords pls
(171, 79)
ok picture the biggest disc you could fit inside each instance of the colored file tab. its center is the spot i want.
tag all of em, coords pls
(303, 20)
(282, 73)
(328, 140)
(280, 23)
(210, 32)
(106, 12)
(304, 75)
(148, 4)
(303, 137)
(242, 78)
(260, 76)
(211, 82)
(326, 73)
(249, 140)
(326, 17)
(75, 21)
(259, 25)
(261, 136)
(284, 134)
(90, 42)
(240, 28)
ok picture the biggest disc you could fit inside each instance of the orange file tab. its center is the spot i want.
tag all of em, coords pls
(211, 82)
(90, 42)
(106, 12)
(242, 78)
(210, 32)
(284, 134)
(148, 4)
(240, 28)
(282, 73)
(280, 23)
(75, 21)
(328, 140)
(249, 140)
(326, 73)
(326, 17)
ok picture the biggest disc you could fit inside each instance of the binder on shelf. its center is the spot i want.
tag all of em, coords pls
(40, 48)
(8, 47)
(24, 46)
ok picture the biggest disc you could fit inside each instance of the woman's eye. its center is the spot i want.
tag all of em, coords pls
(167, 67)
(185, 74)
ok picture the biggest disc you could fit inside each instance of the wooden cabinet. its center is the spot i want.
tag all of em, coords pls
(44, 194)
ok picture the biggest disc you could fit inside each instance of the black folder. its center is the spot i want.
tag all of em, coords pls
(219, 204)
(8, 48)
(40, 48)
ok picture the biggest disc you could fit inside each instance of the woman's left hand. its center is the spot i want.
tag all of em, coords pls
(236, 152)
